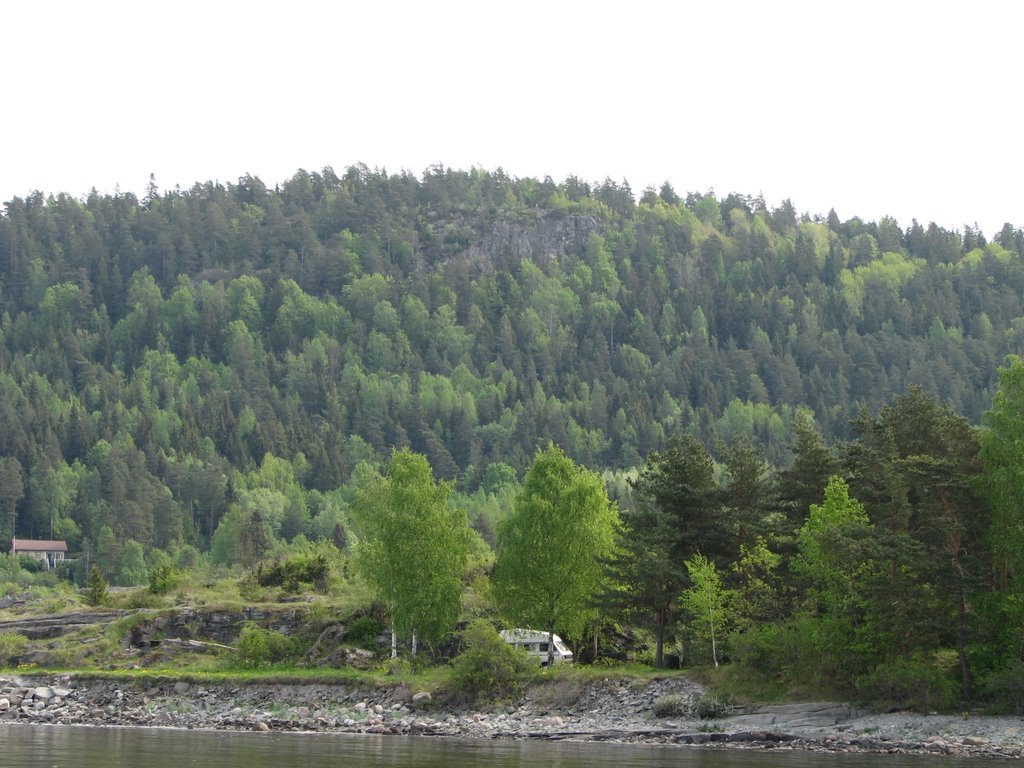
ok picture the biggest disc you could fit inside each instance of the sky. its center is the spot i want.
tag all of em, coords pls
(901, 108)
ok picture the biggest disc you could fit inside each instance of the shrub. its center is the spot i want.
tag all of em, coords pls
(1005, 688)
(710, 706)
(257, 646)
(761, 647)
(397, 667)
(363, 632)
(143, 598)
(672, 705)
(291, 573)
(30, 564)
(915, 684)
(96, 592)
(164, 578)
(489, 667)
(12, 645)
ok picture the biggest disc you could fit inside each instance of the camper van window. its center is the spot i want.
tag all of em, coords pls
(542, 647)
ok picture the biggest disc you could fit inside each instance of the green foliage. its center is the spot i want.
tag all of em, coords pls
(164, 360)
(30, 564)
(550, 549)
(672, 705)
(1002, 450)
(489, 668)
(12, 645)
(413, 545)
(1005, 688)
(837, 567)
(294, 571)
(257, 646)
(364, 631)
(164, 578)
(915, 684)
(133, 571)
(96, 590)
(710, 706)
(707, 602)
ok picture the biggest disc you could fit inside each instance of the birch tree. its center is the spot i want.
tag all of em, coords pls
(412, 546)
(550, 549)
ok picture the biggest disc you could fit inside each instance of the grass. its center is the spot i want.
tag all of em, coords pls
(96, 652)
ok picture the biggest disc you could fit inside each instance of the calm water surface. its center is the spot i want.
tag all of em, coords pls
(60, 746)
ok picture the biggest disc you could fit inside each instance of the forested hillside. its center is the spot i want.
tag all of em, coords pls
(170, 364)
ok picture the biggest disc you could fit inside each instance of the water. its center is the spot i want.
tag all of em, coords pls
(34, 746)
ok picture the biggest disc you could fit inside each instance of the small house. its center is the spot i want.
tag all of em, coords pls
(50, 552)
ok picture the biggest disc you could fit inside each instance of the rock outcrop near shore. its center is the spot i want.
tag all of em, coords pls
(607, 710)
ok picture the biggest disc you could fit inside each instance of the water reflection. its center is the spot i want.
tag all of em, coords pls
(38, 746)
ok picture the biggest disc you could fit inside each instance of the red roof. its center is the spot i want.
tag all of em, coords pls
(38, 545)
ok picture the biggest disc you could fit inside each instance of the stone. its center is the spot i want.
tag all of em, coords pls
(5, 704)
(261, 727)
(181, 686)
(422, 696)
(360, 707)
(43, 693)
(974, 741)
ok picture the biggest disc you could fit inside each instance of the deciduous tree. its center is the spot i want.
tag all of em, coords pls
(548, 570)
(413, 545)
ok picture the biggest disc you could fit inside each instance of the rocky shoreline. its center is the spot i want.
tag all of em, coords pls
(608, 710)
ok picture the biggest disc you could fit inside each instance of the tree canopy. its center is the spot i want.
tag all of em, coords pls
(413, 545)
(550, 548)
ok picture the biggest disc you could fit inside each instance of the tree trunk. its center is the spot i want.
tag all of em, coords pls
(659, 653)
(966, 681)
(714, 648)
(551, 647)
(394, 644)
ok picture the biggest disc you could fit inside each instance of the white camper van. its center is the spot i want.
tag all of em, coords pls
(535, 643)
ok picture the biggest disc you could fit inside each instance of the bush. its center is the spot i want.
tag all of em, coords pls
(363, 632)
(164, 578)
(258, 646)
(672, 705)
(142, 598)
(710, 706)
(489, 668)
(291, 573)
(916, 684)
(1005, 688)
(30, 564)
(96, 592)
(12, 645)
(761, 647)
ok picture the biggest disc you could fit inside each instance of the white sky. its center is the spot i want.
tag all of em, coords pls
(903, 108)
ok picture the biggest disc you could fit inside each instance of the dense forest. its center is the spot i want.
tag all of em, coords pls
(167, 360)
(786, 407)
